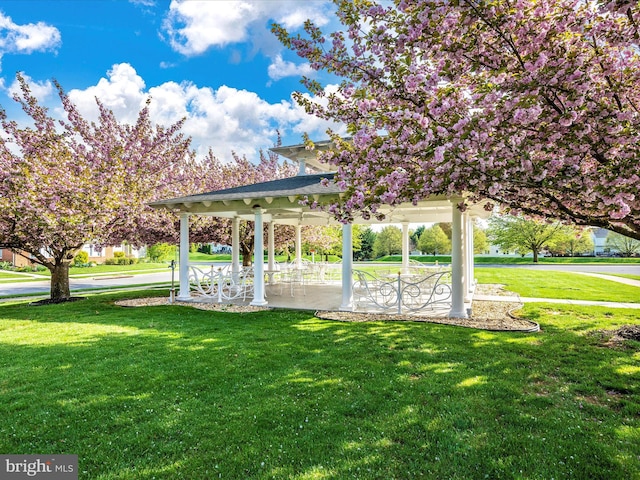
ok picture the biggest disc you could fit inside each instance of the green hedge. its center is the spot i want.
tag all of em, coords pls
(120, 261)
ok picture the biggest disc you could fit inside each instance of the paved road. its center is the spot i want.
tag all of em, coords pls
(93, 282)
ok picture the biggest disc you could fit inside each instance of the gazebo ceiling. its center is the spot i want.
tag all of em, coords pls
(281, 200)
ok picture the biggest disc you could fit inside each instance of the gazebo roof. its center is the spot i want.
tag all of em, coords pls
(283, 200)
(279, 198)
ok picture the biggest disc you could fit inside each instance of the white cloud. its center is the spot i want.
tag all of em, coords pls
(225, 119)
(144, 3)
(280, 68)
(26, 38)
(195, 26)
(40, 90)
(311, 123)
(122, 92)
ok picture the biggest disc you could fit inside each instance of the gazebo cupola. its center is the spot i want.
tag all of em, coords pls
(307, 158)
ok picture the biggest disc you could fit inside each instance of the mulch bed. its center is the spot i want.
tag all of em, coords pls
(49, 301)
(618, 338)
(495, 316)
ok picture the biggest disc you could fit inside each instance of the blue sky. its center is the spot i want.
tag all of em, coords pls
(212, 61)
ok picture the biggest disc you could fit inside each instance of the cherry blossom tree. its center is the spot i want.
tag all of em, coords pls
(531, 104)
(324, 240)
(70, 182)
(65, 183)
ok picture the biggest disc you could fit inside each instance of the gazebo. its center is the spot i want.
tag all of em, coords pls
(280, 202)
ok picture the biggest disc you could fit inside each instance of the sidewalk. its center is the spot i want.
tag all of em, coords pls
(613, 278)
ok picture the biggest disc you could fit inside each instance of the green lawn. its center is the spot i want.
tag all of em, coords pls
(173, 392)
(205, 257)
(554, 284)
(137, 268)
(514, 260)
(18, 280)
(6, 274)
(9, 277)
(219, 257)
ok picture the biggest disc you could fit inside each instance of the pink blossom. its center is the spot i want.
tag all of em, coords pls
(505, 100)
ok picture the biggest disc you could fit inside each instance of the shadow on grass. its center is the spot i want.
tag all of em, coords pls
(170, 392)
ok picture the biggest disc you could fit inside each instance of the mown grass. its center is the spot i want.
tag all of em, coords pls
(555, 284)
(130, 269)
(446, 259)
(8, 277)
(222, 257)
(173, 392)
(138, 268)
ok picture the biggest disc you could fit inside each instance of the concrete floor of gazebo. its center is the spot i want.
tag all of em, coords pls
(322, 296)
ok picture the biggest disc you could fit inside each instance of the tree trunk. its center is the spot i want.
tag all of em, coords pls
(535, 256)
(246, 252)
(60, 290)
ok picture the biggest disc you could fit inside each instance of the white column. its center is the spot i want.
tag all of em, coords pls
(347, 266)
(457, 268)
(271, 247)
(298, 245)
(405, 247)
(465, 257)
(184, 294)
(472, 263)
(258, 261)
(235, 248)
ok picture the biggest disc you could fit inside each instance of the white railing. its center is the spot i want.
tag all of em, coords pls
(220, 283)
(402, 292)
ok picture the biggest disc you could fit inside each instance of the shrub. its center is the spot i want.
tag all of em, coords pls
(161, 252)
(205, 248)
(81, 259)
(5, 266)
(30, 268)
(120, 261)
(118, 255)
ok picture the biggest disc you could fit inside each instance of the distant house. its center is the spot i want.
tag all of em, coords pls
(96, 254)
(496, 251)
(599, 237)
(220, 248)
(15, 259)
(99, 254)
